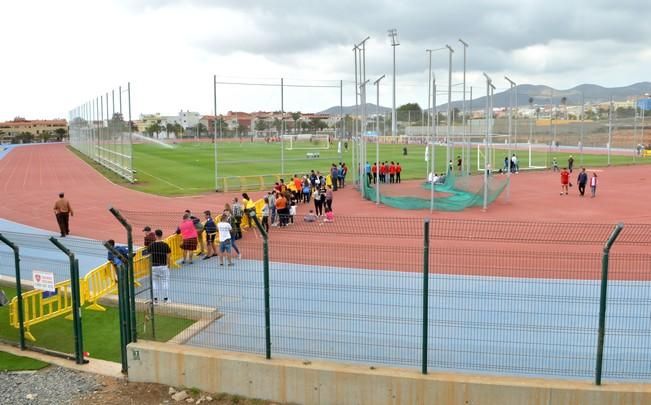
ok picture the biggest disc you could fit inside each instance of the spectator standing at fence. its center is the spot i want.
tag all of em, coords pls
(307, 191)
(115, 260)
(189, 238)
(340, 175)
(265, 214)
(565, 181)
(318, 202)
(581, 181)
(281, 209)
(63, 212)
(149, 236)
(374, 171)
(271, 198)
(160, 267)
(328, 198)
(570, 163)
(593, 185)
(198, 225)
(334, 176)
(224, 230)
(392, 172)
(211, 233)
(237, 211)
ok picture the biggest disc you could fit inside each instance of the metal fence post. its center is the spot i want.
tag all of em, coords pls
(425, 293)
(602, 300)
(131, 291)
(76, 305)
(19, 290)
(265, 268)
(123, 307)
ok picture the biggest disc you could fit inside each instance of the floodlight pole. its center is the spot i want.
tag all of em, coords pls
(362, 135)
(354, 131)
(362, 78)
(214, 130)
(432, 157)
(465, 156)
(489, 85)
(377, 137)
(393, 33)
(282, 116)
(449, 117)
(510, 162)
(341, 117)
(610, 126)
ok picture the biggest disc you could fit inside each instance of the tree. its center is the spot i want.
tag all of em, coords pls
(409, 112)
(295, 117)
(154, 128)
(277, 124)
(201, 129)
(24, 137)
(260, 125)
(564, 104)
(169, 128)
(60, 133)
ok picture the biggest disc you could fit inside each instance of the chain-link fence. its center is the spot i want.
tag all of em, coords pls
(515, 298)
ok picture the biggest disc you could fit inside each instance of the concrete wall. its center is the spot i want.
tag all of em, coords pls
(295, 381)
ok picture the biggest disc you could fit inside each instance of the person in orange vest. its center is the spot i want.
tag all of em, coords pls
(374, 171)
(398, 171)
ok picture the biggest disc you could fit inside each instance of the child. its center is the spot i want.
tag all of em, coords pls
(310, 217)
(292, 212)
(593, 184)
(329, 215)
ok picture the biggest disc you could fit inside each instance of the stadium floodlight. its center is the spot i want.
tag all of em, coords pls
(487, 168)
(393, 34)
(377, 138)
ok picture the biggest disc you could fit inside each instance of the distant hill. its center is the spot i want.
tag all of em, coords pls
(541, 95)
(370, 110)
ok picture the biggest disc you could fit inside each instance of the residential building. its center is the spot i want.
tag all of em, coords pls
(37, 128)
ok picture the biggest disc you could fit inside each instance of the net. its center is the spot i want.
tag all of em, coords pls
(452, 193)
(307, 142)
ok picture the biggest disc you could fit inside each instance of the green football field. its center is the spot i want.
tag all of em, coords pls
(188, 168)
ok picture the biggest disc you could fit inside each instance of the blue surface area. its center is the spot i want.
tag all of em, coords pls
(496, 325)
(38, 253)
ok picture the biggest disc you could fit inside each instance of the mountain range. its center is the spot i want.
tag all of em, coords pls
(540, 95)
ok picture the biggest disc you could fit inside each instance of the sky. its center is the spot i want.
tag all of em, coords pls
(58, 55)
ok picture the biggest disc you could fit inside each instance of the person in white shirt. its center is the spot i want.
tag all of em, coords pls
(224, 229)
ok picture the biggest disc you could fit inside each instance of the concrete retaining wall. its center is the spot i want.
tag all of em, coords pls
(319, 382)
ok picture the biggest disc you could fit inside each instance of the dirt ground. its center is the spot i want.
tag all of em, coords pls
(114, 391)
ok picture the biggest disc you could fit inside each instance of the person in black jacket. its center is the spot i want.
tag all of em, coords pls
(211, 232)
(582, 180)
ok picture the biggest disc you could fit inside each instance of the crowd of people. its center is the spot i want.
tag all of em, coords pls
(375, 174)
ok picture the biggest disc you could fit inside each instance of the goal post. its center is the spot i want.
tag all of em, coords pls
(306, 141)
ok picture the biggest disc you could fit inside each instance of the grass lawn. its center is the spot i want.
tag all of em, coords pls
(9, 362)
(100, 329)
(188, 168)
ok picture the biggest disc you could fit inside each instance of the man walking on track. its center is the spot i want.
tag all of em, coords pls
(570, 163)
(63, 211)
(565, 180)
(582, 180)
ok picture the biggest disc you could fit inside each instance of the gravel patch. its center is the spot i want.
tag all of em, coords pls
(52, 385)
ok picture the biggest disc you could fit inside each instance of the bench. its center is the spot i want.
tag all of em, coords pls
(312, 155)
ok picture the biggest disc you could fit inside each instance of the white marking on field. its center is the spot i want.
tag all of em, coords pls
(163, 180)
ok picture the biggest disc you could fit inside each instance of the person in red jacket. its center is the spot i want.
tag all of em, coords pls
(383, 173)
(392, 172)
(374, 171)
(565, 180)
(398, 171)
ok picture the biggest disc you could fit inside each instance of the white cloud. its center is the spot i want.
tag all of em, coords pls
(56, 55)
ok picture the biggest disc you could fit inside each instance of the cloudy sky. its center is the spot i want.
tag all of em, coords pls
(59, 54)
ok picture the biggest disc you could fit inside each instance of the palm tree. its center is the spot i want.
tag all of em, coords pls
(296, 116)
(564, 104)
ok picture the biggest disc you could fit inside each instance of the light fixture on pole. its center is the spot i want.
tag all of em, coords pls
(393, 33)
(362, 136)
(466, 148)
(377, 137)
